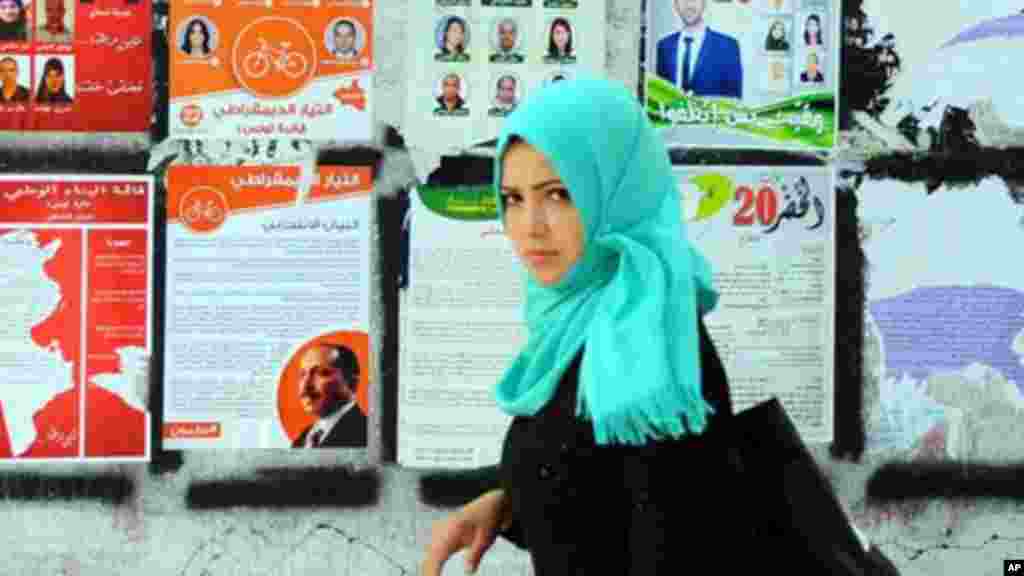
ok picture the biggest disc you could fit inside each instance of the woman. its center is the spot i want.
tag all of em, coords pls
(454, 41)
(52, 88)
(13, 23)
(776, 40)
(812, 31)
(618, 380)
(196, 43)
(560, 42)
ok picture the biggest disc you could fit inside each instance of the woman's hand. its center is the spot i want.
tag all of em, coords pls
(473, 527)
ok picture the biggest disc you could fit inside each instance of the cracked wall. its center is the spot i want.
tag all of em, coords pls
(281, 513)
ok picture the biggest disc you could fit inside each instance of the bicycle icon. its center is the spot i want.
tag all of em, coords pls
(200, 210)
(258, 63)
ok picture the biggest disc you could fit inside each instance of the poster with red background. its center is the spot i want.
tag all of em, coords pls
(76, 66)
(76, 253)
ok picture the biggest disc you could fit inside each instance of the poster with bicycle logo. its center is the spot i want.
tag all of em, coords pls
(244, 69)
(266, 288)
(769, 234)
(75, 66)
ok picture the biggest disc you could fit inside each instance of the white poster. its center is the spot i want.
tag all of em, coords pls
(460, 326)
(769, 233)
(267, 311)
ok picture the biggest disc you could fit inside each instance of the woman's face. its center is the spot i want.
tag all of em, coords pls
(455, 34)
(540, 218)
(54, 81)
(9, 11)
(195, 35)
(560, 34)
(812, 28)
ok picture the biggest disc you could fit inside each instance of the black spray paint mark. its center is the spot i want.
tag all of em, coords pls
(450, 489)
(953, 170)
(77, 160)
(278, 488)
(113, 489)
(955, 481)
(848, 377)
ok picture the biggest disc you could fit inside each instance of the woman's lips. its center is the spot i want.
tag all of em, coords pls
(540, 257)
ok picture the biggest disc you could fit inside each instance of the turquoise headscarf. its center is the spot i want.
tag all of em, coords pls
(633, 296)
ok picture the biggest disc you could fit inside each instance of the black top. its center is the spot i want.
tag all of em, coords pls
(586, 509)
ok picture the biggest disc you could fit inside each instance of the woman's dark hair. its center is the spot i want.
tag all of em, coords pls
(186, 45)
(773, 43)
(18, 30)
(444, 37)
(552, 49)
(43, 94)
(817, 35)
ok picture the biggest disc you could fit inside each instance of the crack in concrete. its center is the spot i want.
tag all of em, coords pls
(355, 540)
(203, 546)
(915, 552)
(217, 539)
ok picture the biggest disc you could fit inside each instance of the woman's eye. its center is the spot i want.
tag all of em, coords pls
(560, 194)
(509, 199)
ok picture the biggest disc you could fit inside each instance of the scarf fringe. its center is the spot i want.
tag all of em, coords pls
(664, 418)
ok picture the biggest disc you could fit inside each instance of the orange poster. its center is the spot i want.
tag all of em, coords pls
(76, 262)
(271, 69)
(266, 338)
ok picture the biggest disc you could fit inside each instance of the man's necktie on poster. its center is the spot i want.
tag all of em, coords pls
(317, 437)
(685, 80)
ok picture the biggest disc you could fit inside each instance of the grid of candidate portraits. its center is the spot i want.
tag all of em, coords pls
(500, 49)
(37, 64)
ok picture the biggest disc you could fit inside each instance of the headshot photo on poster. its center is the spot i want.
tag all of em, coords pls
(322, 394)
(344, 39)
(54, 21)
(14, 21)
(15, 78)
(55, 82)
(451, 95)
(506, 95)
(197, 38)
(507, 41)
(451, 39)
(560, 42)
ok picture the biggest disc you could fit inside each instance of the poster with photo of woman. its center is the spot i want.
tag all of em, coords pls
(728, 74)
(491, 54)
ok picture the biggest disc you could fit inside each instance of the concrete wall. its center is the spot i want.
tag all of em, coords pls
(339, 514)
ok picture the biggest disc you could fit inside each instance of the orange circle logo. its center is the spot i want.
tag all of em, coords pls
(274, 57)
(191, 115)
(203, 209)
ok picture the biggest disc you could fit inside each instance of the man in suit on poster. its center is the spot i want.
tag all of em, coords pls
(328, 374)
(697, 59)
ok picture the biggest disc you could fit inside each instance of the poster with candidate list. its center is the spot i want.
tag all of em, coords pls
(769, 234)
(76, 263)
(271, 69)
(743, 73)
(473, 62)
(75, 66)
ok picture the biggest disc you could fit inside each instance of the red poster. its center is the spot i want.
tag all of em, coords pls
(76, 253)
(75, 65)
